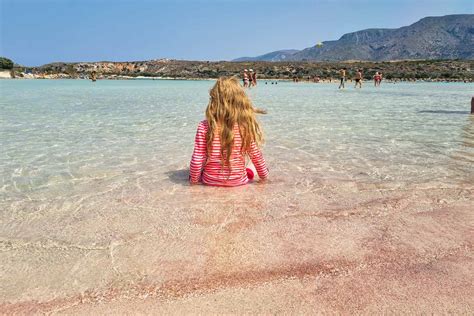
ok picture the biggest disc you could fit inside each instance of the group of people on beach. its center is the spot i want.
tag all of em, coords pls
(358, 78)
(249, 78)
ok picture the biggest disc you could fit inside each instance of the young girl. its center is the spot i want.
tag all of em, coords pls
(229, 133)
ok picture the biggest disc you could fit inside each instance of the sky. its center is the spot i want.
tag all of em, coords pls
(36, 32)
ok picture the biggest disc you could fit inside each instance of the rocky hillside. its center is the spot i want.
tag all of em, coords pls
(446, 37)
(279, 55)
(168, 68)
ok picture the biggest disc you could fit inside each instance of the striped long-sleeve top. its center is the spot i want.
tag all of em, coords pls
(207, 166)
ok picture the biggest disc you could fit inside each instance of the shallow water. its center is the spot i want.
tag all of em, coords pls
(94, 193)
(59, 135)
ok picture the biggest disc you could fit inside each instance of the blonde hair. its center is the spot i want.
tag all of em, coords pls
(227, 106)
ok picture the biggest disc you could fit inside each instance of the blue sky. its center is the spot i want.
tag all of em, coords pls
(35, 32)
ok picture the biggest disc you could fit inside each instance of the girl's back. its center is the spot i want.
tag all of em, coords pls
(220, 148)
(213, 171)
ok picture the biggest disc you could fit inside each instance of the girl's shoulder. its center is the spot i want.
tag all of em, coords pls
(203, 125)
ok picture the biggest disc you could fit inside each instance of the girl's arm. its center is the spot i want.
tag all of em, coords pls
(199, 154)
(258, 161)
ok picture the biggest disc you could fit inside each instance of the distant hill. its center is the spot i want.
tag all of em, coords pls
(445, 37)
(279, 55)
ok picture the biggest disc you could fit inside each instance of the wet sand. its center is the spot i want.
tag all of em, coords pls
(317, 246)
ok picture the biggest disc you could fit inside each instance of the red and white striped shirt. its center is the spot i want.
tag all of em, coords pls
(207, 167)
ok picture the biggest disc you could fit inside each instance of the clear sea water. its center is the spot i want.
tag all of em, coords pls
(94, 175)
(57, 135)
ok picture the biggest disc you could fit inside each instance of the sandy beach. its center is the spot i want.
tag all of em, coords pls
(311, 247)
(5, 74)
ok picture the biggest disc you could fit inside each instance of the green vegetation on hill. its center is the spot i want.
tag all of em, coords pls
(403, 70)
(6, 63)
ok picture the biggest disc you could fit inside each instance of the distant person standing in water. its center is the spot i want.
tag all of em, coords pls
(254, 78)
(358, 78)
(380, 78)
(250, 78)
(246, 78)
(376, 79)
(342, 74)
(93, 76)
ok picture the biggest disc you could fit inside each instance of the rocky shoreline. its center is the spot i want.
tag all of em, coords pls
(425, 70)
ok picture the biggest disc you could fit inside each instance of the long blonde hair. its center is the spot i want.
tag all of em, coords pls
(228, 105)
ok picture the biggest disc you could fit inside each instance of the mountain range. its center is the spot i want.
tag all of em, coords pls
(445, 37)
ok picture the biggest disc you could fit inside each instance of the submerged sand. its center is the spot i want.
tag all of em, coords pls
(315, 246)
(368, 208)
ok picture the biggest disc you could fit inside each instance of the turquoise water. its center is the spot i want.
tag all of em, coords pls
(94, 193)
(59, 134)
